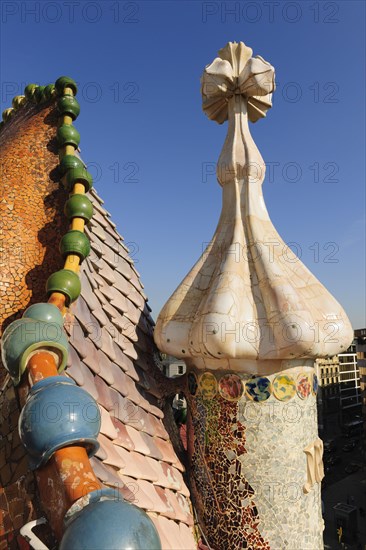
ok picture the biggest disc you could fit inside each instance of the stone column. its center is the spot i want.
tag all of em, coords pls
(249, 320)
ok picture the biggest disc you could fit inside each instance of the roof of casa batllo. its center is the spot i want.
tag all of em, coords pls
(111, 348)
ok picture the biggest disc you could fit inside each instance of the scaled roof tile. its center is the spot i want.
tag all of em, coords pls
(107, 428)
(105, 370)
(125, 439)
(137, 465)
(91, 358)
(165, 544)
(140, 490)
(112, 356)
(105, 473)
(73, 366)
(105, 395)
(112, 458)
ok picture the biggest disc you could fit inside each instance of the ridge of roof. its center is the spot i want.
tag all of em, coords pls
(112, 357)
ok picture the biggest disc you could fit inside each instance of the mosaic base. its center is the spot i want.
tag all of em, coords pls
(247, 460)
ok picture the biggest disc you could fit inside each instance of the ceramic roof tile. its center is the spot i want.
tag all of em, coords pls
(125, 362)
(105, 370)
(121, 382)
(181, 507)
(115, 333)
(144, 422)
(105, 343)
(73, 366)
(177, 475)
(83, 314)
(104, 301)
(101, 452)
(161, 481)
(179, 465)
(108, 309)
(94, 195)
(113, 458)
(129, 330)
(162, 504)
(118, 325)
(126, 411)
(124, 439)
(105, 473)
(116, 298)
(168, 510)
(168, 476)
(185, 507)
(153, 450)
(112, 235)
(87, 270)
(76, 336)
(141, 491)
(98, 218)
(99, 314)
(89, 383)
(106, 272)
(166, 450)
(107, 427)
(105, 395)
(148, 381)
(187, 538)
(130, 350)
(178, 539)
(91, 359)
(124, 267)
(164, 541)
(137, 437)
(115, 256)
(132, 312)
(87, 292)
(95, 328)
(97, 229)
(123, 283)
(137, 395)
(150, 399)
(136, 465)
(103, 212)
(133, 277)
(158, 427)
(136, 298)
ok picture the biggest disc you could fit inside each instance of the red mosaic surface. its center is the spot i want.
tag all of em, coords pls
(224, 499)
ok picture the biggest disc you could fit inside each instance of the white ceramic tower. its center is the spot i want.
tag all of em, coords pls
(249, 319)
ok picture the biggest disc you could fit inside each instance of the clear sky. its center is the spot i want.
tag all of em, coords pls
(152, 150)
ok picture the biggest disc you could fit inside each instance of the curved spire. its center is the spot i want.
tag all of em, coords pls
(248, 302)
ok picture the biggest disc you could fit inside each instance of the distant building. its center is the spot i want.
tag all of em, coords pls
(349, 381)
(360, 339)
(172, 366)
(342, 382)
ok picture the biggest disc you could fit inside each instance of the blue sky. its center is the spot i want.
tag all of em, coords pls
(152, 150)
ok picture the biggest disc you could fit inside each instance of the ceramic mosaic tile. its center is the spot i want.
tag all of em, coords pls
(284, 387)
(258, 388)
